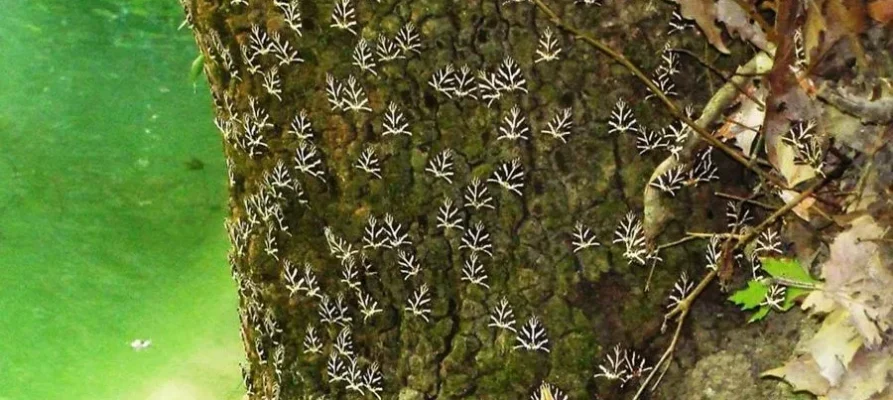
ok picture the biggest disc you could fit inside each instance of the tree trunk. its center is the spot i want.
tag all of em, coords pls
(288, 211)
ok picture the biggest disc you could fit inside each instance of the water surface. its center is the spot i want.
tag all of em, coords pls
(106, 234)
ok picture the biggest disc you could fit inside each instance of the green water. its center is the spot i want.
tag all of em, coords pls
(106, 235)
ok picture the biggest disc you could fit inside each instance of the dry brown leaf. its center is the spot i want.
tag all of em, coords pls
(703, 12)
(834, 345)
(781, 155)
(818, 303)
(803, 374)
(849, 130)
(849, 15)
(847, 358)
(828, 21)
(738, 22)
(787, 102)
(857, 280)
(812, 32)
(834, 364)
(881, 11)
(743, 125)
(869, 373)
(802, 209)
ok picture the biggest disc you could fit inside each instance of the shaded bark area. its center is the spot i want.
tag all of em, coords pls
(587, 301)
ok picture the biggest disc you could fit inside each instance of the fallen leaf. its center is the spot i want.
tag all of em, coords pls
(881, 11)
(744, 123)
(703, 12)
(847, 359)
(738, 22)
(829, 21)
(834, 345)
(848, 16)
(803, 374)
(781, 156)
(802, 209)
(812, 30)
(857, 280)
(818, 302)
(850, 131)
(835, 353)
(787, 102)
(869, 373)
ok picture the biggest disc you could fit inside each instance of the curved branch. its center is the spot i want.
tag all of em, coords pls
(674, 109)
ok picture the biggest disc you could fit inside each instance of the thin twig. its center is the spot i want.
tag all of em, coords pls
(875, 240)
(676, 243)
(686, 302)
(733, 122)
(745, 200)
(707, 235)
(681, 309)
(663, 357)
(752, 234)
(671, 106)
(726, 77)
(863, 178)
(650, 273)
(761, 137)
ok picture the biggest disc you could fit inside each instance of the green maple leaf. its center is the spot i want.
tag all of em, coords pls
(751, 296)
(787, 268)
(755, 292)
(760, 314)
(791, 295)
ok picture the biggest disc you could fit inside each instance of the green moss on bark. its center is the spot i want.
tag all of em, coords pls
(588, 301)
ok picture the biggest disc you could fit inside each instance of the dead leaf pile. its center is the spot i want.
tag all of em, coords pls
(830, 21)
(737, 21)
(881, 11)
(851, 355)
(703, 12)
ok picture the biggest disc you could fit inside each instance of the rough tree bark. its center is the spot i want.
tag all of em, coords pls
(587, 301)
